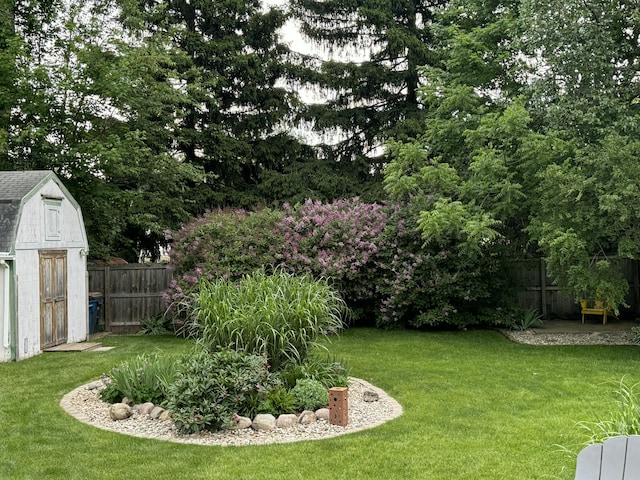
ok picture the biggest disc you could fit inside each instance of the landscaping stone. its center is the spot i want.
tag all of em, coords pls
(287, 420)
(370, 396)
(156, 412)
(119, 411)
(143, 408)
(128, 401)
(264, 421)
(307, 417)
(240, 423)
(94, 385)
(323, 414)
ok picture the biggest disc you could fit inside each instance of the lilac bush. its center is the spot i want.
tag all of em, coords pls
(372, 254)
(220, 244)
(338, 241)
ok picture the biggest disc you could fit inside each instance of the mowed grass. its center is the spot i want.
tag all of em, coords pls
(476, 406)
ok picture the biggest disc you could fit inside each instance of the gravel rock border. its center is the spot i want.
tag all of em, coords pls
(539, 337)
(84, 404)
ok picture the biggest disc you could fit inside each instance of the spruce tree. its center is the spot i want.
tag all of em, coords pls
(372, 100)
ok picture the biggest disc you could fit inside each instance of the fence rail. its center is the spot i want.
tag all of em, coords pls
(538, 291)
(133, 292)
(130, 293)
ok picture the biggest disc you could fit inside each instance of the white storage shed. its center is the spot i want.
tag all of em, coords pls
(43, 265)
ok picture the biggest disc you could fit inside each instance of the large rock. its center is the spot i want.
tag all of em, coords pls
(240, 423)
(119, 411)
(264, 421)
(144, 408)
(287, 420)
(307, 417)
(323, 414)
(156, 412)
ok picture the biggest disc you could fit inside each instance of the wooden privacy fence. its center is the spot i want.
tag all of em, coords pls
(133, 292)
(130, 293)
(538, 291)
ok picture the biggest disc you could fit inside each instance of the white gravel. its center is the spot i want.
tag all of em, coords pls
(539, 337)
(85, 405)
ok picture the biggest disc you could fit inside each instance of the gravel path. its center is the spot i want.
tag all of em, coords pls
(85, 405)
(540, 337)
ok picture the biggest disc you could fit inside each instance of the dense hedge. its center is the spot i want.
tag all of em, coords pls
(370, 253)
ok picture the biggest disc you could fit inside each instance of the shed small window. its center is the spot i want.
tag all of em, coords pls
(53, 218)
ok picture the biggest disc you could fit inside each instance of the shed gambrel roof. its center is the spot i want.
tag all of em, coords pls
(15, 188)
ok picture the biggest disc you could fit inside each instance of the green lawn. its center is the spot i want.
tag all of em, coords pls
(475, 407)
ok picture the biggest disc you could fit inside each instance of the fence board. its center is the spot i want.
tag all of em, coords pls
(130, 293)
(133, 292)
(537, 290)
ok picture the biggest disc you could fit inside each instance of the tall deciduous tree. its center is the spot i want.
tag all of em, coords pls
(7, 74)
(554, 169)
(100, 112)
(586, 96)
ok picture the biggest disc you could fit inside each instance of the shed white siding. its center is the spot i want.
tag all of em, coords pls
(49, 221)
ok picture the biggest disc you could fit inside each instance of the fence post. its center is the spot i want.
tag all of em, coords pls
(543, 287)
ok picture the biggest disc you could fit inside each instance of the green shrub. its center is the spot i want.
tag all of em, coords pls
(279, 400)
(143, 379)
(635, 335)
(280, 316)
(529, 319)
(220, 244)
(157, 325)
(211, 388)
(330, 373)
(624, 420)
(310, 394)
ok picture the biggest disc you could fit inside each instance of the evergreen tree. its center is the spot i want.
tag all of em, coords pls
(374, 99)
(234, 126)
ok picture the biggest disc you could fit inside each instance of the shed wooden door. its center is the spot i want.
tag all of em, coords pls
(53, 298)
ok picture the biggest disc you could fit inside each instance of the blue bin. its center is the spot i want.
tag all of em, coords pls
(93, 316)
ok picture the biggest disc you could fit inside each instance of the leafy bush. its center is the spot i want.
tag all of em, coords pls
(310, 394)
(432, 285)
(221, 244)
(143, 379)
(279, 400)
(372, 254)
(157, 325)
(330, 373)
(337, 241)
(625, 420)
(278, 315)
(211, 388)
(530, 318)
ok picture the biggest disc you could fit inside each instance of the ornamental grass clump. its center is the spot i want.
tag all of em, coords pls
(624, 420)
(146, 378)
(281, 316)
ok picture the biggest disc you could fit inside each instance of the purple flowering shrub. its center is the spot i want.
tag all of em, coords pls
(220, 244)
(427, 285)
(338, 241)
(372, 254)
